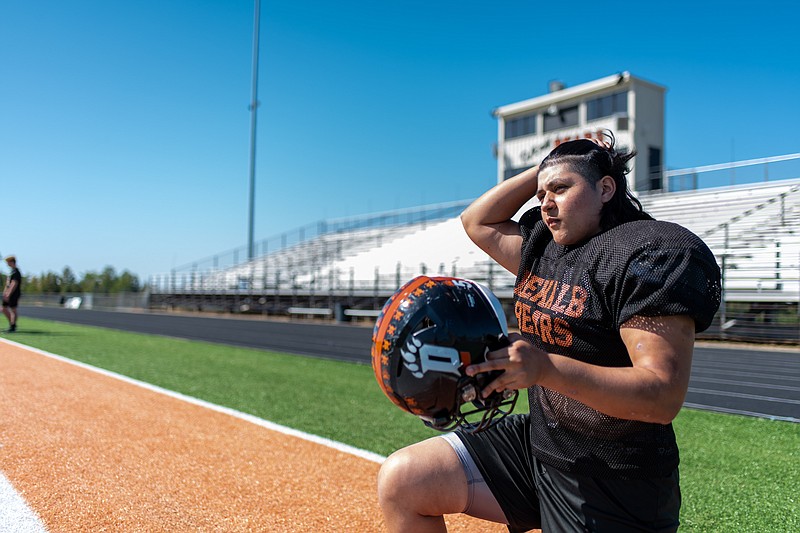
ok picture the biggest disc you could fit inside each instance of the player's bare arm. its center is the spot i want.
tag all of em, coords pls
(652, 390)
(488, 222)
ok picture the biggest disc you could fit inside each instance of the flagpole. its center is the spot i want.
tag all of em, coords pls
(253, 109)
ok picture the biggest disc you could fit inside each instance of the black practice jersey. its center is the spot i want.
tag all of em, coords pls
(572, 300)
(15, 276)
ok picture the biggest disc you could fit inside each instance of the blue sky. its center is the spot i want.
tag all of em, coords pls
(124, 126)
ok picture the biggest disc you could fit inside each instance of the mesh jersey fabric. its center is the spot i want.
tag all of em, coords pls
(572, 300)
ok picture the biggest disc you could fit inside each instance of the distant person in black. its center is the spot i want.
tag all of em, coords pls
(11, 294)
(608, 302)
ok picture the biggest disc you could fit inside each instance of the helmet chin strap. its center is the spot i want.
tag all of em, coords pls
(493, 409)
(500, 405)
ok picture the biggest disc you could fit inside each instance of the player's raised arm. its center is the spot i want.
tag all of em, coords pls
(488, 222)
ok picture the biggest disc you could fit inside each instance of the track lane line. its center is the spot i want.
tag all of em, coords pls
(15, 515)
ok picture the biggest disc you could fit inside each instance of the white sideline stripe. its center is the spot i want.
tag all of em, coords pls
(340, 446)
(743, 395)
(739, 412)
(15, 515)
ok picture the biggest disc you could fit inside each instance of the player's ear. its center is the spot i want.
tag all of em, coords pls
(607, 188)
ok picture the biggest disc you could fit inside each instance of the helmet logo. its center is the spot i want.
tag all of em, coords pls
(420, 358)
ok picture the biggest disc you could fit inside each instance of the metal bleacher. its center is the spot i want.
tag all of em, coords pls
(295, 265)
(437, 249)
(753, 230)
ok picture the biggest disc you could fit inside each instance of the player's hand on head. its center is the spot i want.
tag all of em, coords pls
(602, 143)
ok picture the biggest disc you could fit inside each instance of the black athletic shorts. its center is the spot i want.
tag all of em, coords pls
(11, 301)
(535, 495)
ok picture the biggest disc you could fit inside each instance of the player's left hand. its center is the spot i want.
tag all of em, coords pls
(521, 362)
(602, 143)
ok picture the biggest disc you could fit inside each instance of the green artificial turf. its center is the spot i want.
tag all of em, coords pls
(737, 473)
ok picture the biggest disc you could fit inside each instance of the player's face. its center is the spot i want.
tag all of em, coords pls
(570, 204)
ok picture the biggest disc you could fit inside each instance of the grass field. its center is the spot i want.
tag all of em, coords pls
(737, 473)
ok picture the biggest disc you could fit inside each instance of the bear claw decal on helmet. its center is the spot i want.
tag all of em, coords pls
(428, 332)
(410, 357)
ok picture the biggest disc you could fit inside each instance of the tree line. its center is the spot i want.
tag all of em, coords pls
(108, 281)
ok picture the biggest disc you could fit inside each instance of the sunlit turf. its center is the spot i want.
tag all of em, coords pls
(737, 473)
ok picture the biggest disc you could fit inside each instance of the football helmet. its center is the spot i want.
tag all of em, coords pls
(428, 332)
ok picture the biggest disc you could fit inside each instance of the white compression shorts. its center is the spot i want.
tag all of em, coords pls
(481, 503)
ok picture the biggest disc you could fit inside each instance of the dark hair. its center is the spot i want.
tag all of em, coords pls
(593, 161)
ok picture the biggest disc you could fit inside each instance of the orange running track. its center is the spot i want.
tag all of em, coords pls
(91, 451)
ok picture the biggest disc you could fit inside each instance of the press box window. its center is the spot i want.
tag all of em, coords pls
(561, 118)
(608, 105)
(654, 168)
(519, 126)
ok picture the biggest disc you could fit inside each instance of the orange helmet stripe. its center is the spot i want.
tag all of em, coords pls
(383, 326)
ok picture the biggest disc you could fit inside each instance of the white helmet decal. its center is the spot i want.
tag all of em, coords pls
(420, 358)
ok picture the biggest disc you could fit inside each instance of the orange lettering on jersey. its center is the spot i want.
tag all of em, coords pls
(541, 293)
(575, 307)
(559, 306)
(524, 317)
(553, 295)
(543, 305)
(563, 335)
(545, 326)
(552, 290)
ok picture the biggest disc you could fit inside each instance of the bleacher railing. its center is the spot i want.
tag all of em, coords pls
(734, 173)
(337, 226)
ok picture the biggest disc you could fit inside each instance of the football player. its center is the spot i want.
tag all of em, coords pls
(608, 302)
